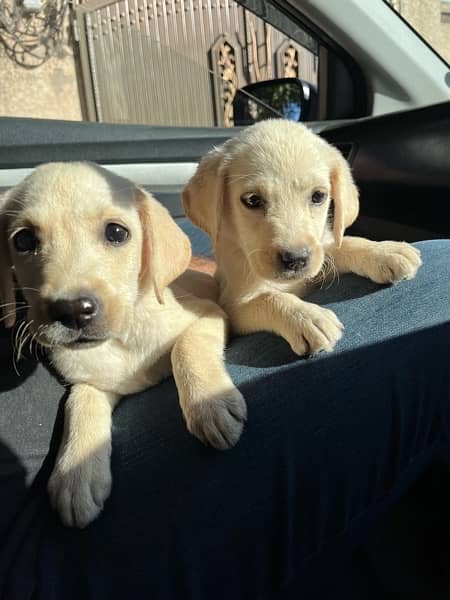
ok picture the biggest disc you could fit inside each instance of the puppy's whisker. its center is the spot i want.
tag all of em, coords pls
(37, 345)
(254, 251)
(321, 276)
(23, 338)
(17, 333)
(30, 343)
(26, 334)
(334, 270)
(15, 340)
(24, 287)
(324, 272)
(15, 366)
(328, 272)
(11, 304)
(34, 344)
(12, 312)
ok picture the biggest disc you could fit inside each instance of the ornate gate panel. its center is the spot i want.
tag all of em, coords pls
(178, 62)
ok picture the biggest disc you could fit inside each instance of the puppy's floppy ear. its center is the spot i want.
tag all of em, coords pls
(166, 250)
(203, 195)
(344, 193)
(7, 294)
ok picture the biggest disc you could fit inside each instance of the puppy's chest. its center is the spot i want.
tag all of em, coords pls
(113, 368)
(262, 287)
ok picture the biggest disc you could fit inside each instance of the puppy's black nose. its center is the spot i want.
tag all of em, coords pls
(295, 260)
(74, 314)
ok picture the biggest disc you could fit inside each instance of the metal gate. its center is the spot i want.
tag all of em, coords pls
(178, 62)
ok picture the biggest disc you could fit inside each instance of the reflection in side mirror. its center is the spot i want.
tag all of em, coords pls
(287, 98)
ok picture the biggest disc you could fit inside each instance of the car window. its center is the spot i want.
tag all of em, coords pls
(158, 62)
(430, 19)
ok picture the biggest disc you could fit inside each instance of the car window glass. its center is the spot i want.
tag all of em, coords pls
(430, 19)
(157, 62)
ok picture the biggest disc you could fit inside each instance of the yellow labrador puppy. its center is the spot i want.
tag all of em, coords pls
(276, 200)
(96, 259)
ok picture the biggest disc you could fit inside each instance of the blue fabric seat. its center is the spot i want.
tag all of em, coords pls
(332, 442)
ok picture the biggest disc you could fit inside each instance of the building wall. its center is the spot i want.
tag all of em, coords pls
(47, 92)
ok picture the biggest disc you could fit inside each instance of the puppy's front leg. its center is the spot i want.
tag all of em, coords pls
(307, 327)
(382, 262)
(81, 478)
(213, 407)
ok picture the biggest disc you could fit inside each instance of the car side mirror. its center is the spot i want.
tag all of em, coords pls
(287, 98)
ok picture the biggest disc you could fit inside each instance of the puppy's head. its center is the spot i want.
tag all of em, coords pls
(83, 245)
(280, 192)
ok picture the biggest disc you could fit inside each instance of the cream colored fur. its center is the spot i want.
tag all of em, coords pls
(284, 163)
(151, 323)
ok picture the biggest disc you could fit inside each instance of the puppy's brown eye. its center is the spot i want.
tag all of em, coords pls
(252, 200)
(116, 234)
(25, 241)
(318, 197)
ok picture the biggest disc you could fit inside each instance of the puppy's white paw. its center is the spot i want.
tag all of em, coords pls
(218, 420)
(390, 262)
(78, 489)
(313, 329)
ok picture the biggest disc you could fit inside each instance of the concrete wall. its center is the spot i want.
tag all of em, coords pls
(49, 91)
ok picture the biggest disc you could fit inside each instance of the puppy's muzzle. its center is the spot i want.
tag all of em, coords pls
(77, 313)
(294, 260)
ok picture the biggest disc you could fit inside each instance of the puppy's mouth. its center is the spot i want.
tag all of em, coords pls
(278, 275)
(290, 274)
(296, 273)
(71, 323)
(85, 341)
(287, 264)
(56, 334)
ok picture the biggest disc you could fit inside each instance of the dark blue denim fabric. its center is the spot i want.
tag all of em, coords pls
(331, 443)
